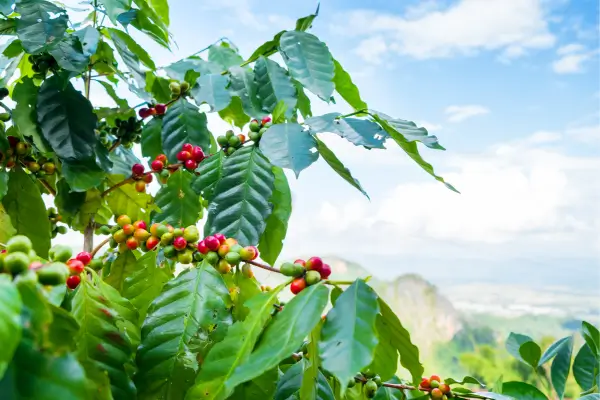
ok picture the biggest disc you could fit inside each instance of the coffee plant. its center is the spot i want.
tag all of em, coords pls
(157, 309)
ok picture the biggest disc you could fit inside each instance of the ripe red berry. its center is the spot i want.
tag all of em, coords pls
(128, 229)
(191, 165)
(202, 248)
(152, 111)
(266, 120)
(255, 252)
(84, 257)
(157, 165)
(147, 178)
(298, 285)
(198, 154)
(140, 186)
(75, 266)
(435, 378)
(140, 225)
(132, 243)
(179, 243)
(73, 281)
(144, 112)
(152, 242)
(220, 237)
(162, 158)
(212, 243)
(444, 388)
(137, 169)
(314, 263)
(325, 271)
(160, 109)
(300, 261)
(184, 155)
(12, 141)
(242, 138)
(425, 383)
(187, 147)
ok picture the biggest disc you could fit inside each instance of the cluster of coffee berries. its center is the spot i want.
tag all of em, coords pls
(128, 131)
(178, 89)
(19, 259)
(140, 177)
(42, 63)
(159, 165)
(55, 218)
(179, 243)
(258, 128)
(4, 117)
(20, 151)
(230, 142)
(128, 235)
(438, 390)
(190, 156)
(158, 109)
(223, 253)
(370, 381)
(309, 272)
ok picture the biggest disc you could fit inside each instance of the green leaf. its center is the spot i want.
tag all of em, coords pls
(234, 350)
(10, 320)
(309, 62)
(346, 88)
(101, 344)
(150, 20)
(360, 132)
(128, 323)
(123, 159)
(6, 229)
(6, 7)
(240, 205)
(158, 87)
(151, 138)
(192, 310)
(39, 375)
(3, 183)
(385, 358)
(527, 354)
(93, 207)
(178, 202)
(279, 113)
(121, 268)
(130, 56)
(466, 379)
(125, 200)
(36, 315)
(162, 9)
(145, 282)
(25, 94)
(284, 335)
(585, 367)
(262, 387)
(530, 352)
(561, 366)
(522, 391)
(266, 49)
(553, 349)
(412, 133)
(387, 393)
(304, 23)
(69, 55)
(23, 203)
(114, 8)
(310, 379)
(334, 162)
(190, 68)
(274, 85)
(234, 113)
(212, 90)
(183, 123)
(224, 56)
(124, 39)
(62, 330)
(110, 90)
(288, 387)
(210, 172)
(591, 396)
(303, 104)
(83, 174)
(41, 25)
(349, 338)
(242, 289)
(410, 148)
(271, 240)
(66, 119)
(289, 146)
(243, 85)
(592, 337)
(66, 201)
(88, 37)
(409, 353)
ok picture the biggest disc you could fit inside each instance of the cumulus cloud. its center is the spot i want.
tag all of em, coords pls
(460, 113)
(572, 58)
(464, 28)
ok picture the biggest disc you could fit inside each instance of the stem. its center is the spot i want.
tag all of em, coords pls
(362, 111)
(398, 386)
(264, 266)
(131, 179)
(47, 186)
(2, 245)
(336, 283)
(102, 243)
(8, 110)
(114, 145)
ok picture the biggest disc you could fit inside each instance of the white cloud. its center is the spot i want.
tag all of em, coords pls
(430, 126)
(466, 27)
(586, 134)
(461, 113)
(371, 49)
(572, 58)
(570, 49)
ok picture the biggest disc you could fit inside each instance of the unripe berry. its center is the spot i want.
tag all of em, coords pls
(84, 257)
(140, 224)
(183, 156)
(312, 277)
(175, 88)
(220, 237)
(184, 86)
(298, 285)
(132, 243)
(191, 165)
(212, 243)
(137, 169)
(223, 250)
(141, 235)
(123, 220)
(254, 126)
(248, 253)
(166, 238)
(187, 147)
(120, 236)
(434, 384)
(75, 266)
(140, 186)
(22, 148)
(233, 258)
(435, 378)
(179, 243)
(325, 271)
(49, 168)
(73, 281)
(162, 158)
(178, 232)
(33, 166)
(301, 262)
(129, 229)
(198, 154)
(160, 109)
(185, 257)
(247, 271)
(444, 388)
(436, 394)
(231, 241)
(223, 267)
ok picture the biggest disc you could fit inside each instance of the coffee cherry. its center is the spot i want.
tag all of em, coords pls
(96, 264)
(144, 112)
(287, 269)
(191, 165)
(312, 277)
(229, 134)
(120, 236)
(55, 273)
(185, 257)
(298, 285)
(123, 220)
(201, 246)
(177, 232)
(170, 252)
(212, 243)
(222, 141)
(187, 147)
(22, 148)
(141, 235)
(223, 250)
(73, 281)
(129, 229)
(152, 242)
(248, 253)
(140, 186)
(231, 241)
(247, 271)
(436, 394)
(84, 257)
(233, 258)
(179, 243)
(254, 136)
(435, 378)
(164, 176)
(16, 263)
(184, 86)
(444, 388)
(314, 263)
(160, 109)
(12, 141)
(220, 237)
(157, 165)
(140, 224)
(234, 141)
(33, 166)
(425, 383)
(19, 243)
(75, 266)
(265, 120)
(147, 178)
(325, 271)
(132, 243)
(183, 156)
(49, 168)
(223, 267)
(300, 261)
(377, 380)
(235, 247)
(191, 234)
(175, 88)
(198, 154)
(137, 169)
(152, 111)
(434, 384)
(254, 126)
(370, 389)
(162, 158)
(212, 257)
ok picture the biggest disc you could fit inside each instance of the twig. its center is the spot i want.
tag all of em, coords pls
(114, 145)
(47, 186)
(8, 110)
(264, 266)
(97, 248)
(2, 245)
(398, 386)
(131, 179)
(335, 283)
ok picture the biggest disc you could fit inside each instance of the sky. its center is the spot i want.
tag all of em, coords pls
(512, 90)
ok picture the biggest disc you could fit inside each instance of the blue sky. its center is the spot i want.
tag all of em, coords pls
(511, 88)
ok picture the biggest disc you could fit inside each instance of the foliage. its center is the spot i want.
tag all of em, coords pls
(163, 313)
